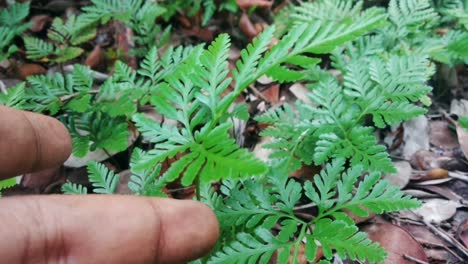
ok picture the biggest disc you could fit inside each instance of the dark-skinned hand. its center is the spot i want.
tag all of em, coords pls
(91, 228)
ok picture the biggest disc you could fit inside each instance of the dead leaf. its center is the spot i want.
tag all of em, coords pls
(416, 136)
(40, 180)
(263, 153)
(96, 59)
(463, 139)
(437, 210)
(125, 43)
(441, 136)
(459, 107)
(246, 4)
(433, 174)
(247, 27)
(422, 160)
(423, 235)
(397, 242)
(300, 91)
(265, 80)
(200, 33)
(420, 194)
(462, 233)
(443, 191)
(122, 186)
(433, 182)
(272, 93)
(38, 22)
(403, 175)
(30, 69)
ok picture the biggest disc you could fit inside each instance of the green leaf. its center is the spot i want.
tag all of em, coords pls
(347, 241)
(80, 104)
(8, 183)
(38, 49)
(251, 249)
(104, 181)
(73, 188)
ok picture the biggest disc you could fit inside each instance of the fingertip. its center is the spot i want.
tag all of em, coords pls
(190, 230)
(55, 140)
(31, 142)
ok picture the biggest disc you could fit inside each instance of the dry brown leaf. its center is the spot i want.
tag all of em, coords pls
(272, 93)
(423, 235)
(416, 136)
(122, 186)
(403, 175)
(437, 210)
(397, 242)
(462, 233)
(443, 191)
(246, 4)
(30, 69)
(441, 136)
(96, 59)
(200, 33)
(433, 174)
(40, 180)
(125, 43)
(247, 27)
(39, 22)
(300, 91)
(463, 139)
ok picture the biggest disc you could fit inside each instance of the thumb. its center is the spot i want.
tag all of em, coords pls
(104, 229)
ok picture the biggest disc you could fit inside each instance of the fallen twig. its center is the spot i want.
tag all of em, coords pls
(415, 260)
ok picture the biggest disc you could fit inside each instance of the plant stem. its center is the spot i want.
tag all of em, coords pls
(197, 188)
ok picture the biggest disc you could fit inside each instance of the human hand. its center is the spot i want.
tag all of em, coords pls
(92, 228)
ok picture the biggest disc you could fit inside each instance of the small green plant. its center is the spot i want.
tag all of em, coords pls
(331, 133)
(209, 8)
(65, 37)
(139, 15)
(11, 26)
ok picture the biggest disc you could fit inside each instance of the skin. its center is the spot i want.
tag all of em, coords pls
(92, 228)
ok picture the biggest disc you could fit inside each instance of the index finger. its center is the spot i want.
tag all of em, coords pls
(30, 142)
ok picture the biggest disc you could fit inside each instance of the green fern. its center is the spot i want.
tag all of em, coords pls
(64, 37)
(11, 25)
(104, 181)
(14, 96)
(73, 188)
(8, 183)
(145, 182)
(411, 13)
(252, 206)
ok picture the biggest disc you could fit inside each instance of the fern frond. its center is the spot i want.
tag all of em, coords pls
(347, 241)
(209, 8)
(213, 74)
(459, 46)
(339, 10)
(249, 205)
(372, 193)
(104, 181)
(37, 48)
(8, 183)
(73, 188)
(14, 96)
(145, 182)
(411, 13)
(246, 66)
(14, 15)
(256, 248)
